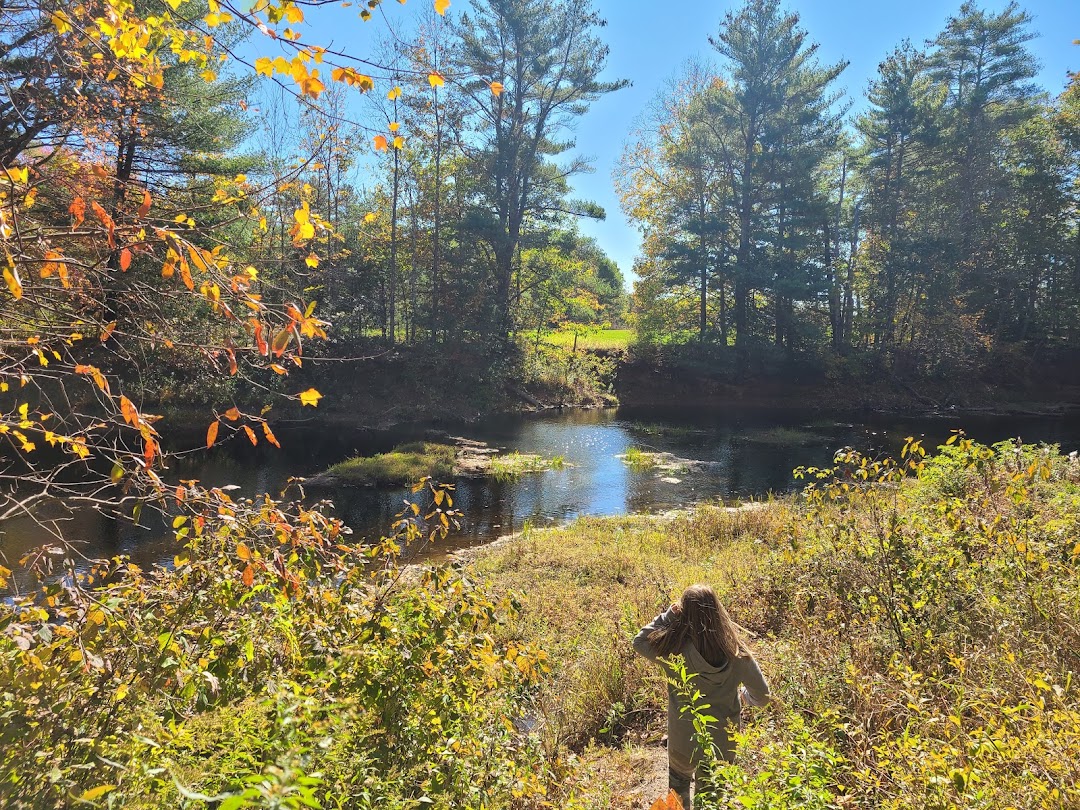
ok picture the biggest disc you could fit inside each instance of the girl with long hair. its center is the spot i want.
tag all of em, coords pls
(699, 629)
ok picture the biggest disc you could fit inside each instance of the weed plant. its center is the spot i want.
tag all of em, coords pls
(273, 665)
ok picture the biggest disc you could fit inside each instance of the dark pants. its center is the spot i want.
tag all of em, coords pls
(680, 783)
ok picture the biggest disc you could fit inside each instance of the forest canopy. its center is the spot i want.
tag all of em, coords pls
(933, 228)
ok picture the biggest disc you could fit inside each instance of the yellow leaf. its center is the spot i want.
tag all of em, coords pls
(96, 793)
(61, 21)
(435, 79)
(393, 94)
(370, 216)
(243, 552)
(310, 397)
(264, 66)
(399, 142)
(312, 260)
(11, 276)
(496, 88)
(394, 126)
(442, 5)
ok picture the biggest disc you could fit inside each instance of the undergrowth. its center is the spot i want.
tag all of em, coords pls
(919, 621)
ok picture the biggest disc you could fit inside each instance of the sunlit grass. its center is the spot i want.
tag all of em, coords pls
(405, 464)
(509, 466)
(605, 339)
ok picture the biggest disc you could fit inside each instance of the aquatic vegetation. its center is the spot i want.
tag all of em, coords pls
(639, 459)
(405, 464)
(508, 466)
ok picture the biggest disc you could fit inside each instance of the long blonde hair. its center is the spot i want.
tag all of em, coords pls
(702, 620)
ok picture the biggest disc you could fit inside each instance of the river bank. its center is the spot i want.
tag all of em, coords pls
(921, 636)
(889, 681)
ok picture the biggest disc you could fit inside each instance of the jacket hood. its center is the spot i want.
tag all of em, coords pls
(696, 663)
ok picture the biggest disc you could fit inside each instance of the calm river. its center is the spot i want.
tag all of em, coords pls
(750, 454)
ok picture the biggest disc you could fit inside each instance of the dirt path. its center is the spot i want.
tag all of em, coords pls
(636, 776)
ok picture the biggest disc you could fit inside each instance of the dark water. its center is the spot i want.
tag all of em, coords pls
(751, 454)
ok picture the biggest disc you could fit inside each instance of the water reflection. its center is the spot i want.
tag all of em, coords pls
(747, 454)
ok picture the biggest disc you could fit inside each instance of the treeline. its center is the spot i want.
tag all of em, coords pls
(459, 225)
(938, 225)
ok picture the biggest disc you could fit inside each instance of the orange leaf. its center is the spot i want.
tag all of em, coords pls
(107, 331)
(270, 437)
(243, 552)
(127, 408)
(496, 88)
(77, 209)
(185, 274)
(260, 341)
(251, 434)
(147, 201)
(248, 576)
(125, 259)
(211, 433)
(106, 220)
(232, 414)
(380, 143)
(149, 450)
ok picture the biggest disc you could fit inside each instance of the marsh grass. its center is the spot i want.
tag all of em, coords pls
(509, 466)
(405, 464)
(637, 459)
(587, 588)
(921, 632)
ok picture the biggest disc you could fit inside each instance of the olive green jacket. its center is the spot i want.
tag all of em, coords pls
(720, 688)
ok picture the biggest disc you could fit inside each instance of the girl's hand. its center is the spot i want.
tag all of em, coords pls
(676, 609)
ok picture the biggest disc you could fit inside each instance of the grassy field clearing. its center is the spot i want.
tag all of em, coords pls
(606, 339)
